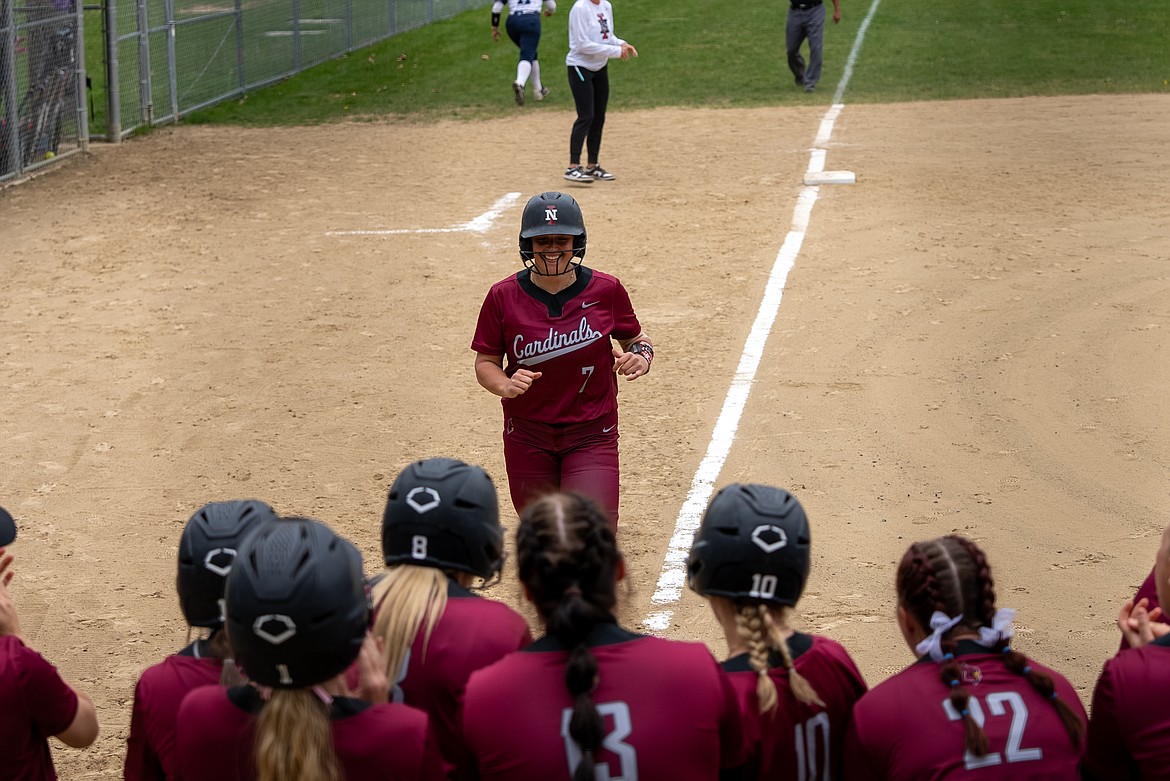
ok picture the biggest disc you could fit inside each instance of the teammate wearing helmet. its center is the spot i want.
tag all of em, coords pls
(599, 701)
(35, 701)
(544, 343)
(297, 615)
(796, 691)
(972, 706)
(207, 550)
(440, 532)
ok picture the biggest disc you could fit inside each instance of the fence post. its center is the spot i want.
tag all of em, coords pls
(79, 79)
(8, 80)
(296, 31)
(145, 82)
(113, 86)
(172, 65)
(243, 82)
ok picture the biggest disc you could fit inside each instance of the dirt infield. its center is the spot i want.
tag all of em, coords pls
(974, 338)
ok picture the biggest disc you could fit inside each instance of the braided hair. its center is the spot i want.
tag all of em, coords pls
(762, 635)
(567, 557)
(951, 575)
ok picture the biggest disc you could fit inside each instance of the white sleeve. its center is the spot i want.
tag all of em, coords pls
(550, 6)
(497, 6)
(579, 40)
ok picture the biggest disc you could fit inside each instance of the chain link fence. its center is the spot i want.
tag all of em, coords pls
(171, 57)
(166, 58)
(42, 115)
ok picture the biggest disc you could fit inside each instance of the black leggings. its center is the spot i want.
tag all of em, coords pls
(591, 94)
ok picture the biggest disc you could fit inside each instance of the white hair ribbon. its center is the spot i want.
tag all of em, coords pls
(940, 623)
(1000, 629)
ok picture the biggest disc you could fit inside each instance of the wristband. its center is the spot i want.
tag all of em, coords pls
(644, 349)
(495, 20)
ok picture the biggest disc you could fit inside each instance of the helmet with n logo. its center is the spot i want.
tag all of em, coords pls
(297, 604)
(207, 551)
(444, 513)
(548, 214)
(753, 545)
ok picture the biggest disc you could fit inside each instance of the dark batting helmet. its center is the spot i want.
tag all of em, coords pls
(207, 550)
(442, 512)
(297, 605)
(753, 545)
(549, 214)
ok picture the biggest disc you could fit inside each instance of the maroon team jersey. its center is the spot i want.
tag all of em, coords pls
(796, 740)
(372, 742)
(1129, 732)
(1149, 592)
(471, 634)
(34, 704)
(906, 729)
(151, 744)
(565, 336)
(669, 712)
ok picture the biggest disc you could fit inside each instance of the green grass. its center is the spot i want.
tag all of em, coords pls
(693, 54)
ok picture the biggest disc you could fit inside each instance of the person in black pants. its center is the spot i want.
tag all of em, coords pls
(807, 20)
(592, 43)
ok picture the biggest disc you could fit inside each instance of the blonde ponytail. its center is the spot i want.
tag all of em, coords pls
(750, 623)
(294, 738)
(801, 688)
(407, 596)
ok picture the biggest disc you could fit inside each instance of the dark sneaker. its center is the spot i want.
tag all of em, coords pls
(810, 88)
(577, 174)
(542, 94)
(518, 89)
(599, 173)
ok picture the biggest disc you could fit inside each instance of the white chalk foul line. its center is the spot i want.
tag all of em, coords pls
(480, 224)
(673, 577)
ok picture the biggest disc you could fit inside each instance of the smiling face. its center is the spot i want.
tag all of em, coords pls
(552, 254)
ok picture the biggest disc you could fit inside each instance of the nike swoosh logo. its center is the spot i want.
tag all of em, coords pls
(608, 429)
(591, 303)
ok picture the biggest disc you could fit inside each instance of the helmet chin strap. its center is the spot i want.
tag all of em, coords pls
(553, 258)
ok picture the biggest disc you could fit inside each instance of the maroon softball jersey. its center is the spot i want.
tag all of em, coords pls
(151, 745)
(372, 742)
(797, 740)
(565, 336)
(669, 712)
(471, 634)
(1129, 732)
(35, 703)
(906, 729)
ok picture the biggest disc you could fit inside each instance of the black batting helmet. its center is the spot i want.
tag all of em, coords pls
(552, 213)
(753, 545)
(442, 512)
(207, 550)
(297, 605)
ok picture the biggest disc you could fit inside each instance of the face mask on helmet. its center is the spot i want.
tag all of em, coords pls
(297, 604)
(444, 513)
(207, 551)
(550, 214)
(753, 545)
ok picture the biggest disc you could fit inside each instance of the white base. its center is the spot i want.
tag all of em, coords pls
(830, 177)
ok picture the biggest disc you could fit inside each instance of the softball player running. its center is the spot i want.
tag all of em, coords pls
(796, 692)
(440, 532)
(35, 702)
(972, 707)
(523, 26)
(207, 549)
(554, 322)
(1129, 729)
(599, 701)
(297, 614)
